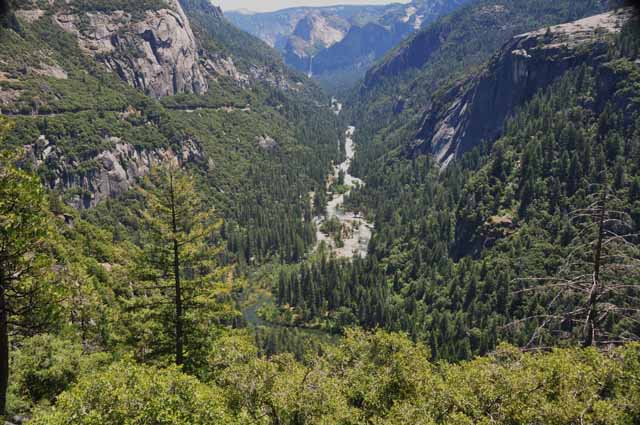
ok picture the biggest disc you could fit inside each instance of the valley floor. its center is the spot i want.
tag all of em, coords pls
(356, 231)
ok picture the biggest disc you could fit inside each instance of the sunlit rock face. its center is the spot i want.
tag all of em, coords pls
(475, 110)
(157, 53)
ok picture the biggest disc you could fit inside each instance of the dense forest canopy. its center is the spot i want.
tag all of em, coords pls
(172, 235)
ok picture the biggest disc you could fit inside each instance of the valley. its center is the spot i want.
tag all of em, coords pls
(425, 212)
(354, 231)
(336, 45)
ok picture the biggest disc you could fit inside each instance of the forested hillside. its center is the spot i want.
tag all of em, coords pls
(460, 254)
(337, 44)
(84, 128)
(175, 204)
(396, 92)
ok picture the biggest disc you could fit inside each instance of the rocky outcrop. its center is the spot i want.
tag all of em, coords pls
(475, 110)
(157, 53)
(318, 31)
(236, 55)
(359, 48)
(267, 143)
(341, 41)
(314, 33)
(110, 173)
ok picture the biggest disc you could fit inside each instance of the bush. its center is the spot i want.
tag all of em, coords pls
(44, 367)
(127, 393)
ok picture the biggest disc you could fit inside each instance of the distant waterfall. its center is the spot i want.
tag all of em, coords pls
(310, 74)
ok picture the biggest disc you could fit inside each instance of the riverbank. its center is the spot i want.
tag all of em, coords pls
(355, 231)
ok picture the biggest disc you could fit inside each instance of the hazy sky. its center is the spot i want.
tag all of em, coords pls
(269, 5)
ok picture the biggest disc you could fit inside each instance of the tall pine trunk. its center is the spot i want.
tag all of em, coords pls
(176, 271)
(176, 275)
(4, 348)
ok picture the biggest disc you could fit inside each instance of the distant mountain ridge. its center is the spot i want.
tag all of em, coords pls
(338, 44)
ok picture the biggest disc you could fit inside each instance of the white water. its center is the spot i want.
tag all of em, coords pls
(356, 231)
(336, 106)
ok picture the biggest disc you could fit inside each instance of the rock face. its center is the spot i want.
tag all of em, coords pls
(113, 171)
(359, 48)
(276, 28)
(237, 55)
(318, 31)
(476, 110)
(157, 54)
(267, 143)
(313, 33)
(341, 41)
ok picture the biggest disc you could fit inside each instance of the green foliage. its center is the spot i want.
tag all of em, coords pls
(446, 264)
(454, 251)
(180, 289)
(127, 393)
(24, 219)
(332, 227)
(137, 8)
(25, 231)
(378, 378)
(91, 111)
(45, 366)
(390, 103)
(245, 48)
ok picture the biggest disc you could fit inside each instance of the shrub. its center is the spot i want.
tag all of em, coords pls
(44, 367)
(127, 393)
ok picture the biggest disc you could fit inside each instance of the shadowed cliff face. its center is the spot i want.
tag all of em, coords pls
(634, 5)
(4, 7)
(475, 110)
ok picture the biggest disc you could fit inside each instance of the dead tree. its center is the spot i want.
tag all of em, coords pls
(596, 292)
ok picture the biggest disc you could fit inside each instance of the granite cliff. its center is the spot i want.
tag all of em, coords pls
(114, 170)
(475, 110)
(99, 92)
(156, 52)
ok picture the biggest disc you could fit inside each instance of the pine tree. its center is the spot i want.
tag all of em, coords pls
(24, 231)
(178, 264)
(599, 280)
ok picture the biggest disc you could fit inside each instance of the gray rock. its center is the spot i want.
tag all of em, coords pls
(157, 54)
(267, 143)
(476, 109)
(114, 172)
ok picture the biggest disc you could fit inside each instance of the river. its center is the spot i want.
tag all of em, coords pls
(356, 231)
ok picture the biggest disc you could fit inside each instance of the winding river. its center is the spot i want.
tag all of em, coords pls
(356, 231)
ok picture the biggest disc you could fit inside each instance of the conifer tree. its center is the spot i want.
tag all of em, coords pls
(178, 267)
(599, 283)
(24, 230)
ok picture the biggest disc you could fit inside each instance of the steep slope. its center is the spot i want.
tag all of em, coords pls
(101, 92)
(250, 58)
(336, 45)
(479, 252)
(165, 61)
(475, 110)
(342, 64)
(397, 91)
